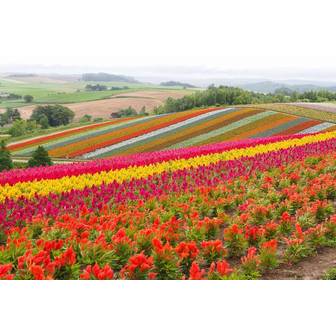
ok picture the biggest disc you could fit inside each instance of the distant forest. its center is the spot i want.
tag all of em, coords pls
(105, 77)
(226, 95)
(174, 83)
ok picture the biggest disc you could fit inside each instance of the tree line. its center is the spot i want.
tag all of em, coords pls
(226, 95)
(42, 117)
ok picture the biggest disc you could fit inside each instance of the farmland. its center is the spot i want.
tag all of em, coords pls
(169, 131)
(102, 106)
(232, 210)
(73, 93)
(322, 112)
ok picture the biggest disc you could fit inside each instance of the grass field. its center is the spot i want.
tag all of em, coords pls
(66, 92)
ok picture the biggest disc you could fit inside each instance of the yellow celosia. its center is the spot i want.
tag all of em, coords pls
(64, 184)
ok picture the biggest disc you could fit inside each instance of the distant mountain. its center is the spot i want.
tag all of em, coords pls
(15, 75)
(106, 77)
(174, 83)
(271, 87)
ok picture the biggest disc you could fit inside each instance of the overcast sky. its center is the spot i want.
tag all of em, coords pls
(237, 37)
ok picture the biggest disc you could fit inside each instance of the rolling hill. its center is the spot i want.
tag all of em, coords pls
(175, 130)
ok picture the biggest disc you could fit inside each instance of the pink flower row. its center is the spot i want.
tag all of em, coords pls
(58, 171)
(95, 199)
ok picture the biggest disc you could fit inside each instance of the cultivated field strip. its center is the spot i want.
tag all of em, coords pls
(222, 130)
(159, 132)
(318, 128)
(171, 131)
(92, 133)
(116, 136)
(186, 132)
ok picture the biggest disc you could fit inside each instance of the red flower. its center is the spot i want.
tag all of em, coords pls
(95, 272)
(251, 256)
(37, 272)
(299, 231)
(187, 250)
(5, 272)
(285, 217)
(270, 245)
(221, 267)
(195, 272)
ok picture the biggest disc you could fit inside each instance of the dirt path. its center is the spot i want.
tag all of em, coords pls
(312, 268)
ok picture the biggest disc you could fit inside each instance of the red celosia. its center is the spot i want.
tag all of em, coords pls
(221, 267)
(285, 217)
(195, 272)
(95, 272)
(187, 250)
(270, 245)
(5, 272)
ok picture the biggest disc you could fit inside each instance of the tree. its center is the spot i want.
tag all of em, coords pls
(44, 122)
(57, 114)
(28, 98)
(6, 162)
(3, 120)
(40, 157)
(18, 128)
(11, 115)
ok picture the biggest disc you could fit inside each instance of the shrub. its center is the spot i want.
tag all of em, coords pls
(40, 158)
(28, 98)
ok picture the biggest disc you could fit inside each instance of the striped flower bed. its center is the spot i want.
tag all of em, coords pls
(45, 139)
(160, 142)
(218, 132)
(222, 211)
(31, 188)
(59, 143)
(318, 128)
(101, 141)
(159, 133)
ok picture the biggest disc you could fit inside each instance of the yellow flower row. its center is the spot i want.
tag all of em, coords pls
(64, 184)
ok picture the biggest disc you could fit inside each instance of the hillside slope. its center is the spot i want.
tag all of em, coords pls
(171, 131)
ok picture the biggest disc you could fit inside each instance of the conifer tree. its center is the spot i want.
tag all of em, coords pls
(6, 162)
(40, 157)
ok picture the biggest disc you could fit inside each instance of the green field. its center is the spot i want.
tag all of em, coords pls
(63, 93)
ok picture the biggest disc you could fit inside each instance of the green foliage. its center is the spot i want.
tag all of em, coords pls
(6, 162)
(11, 115)
(226, 95)
(56, 114)
(129, 111)
(86, 118)
(28, 98)
(40, 158)
(95, 87)
(18, 128)
(22, 127)
(330, 274)
(44, 122)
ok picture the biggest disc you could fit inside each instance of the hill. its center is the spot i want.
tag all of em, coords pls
(271, 87)
(172, 131)
(174, 83)
(106, 77)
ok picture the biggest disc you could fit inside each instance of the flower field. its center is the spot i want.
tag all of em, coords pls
(231, 210)
(171, 131)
